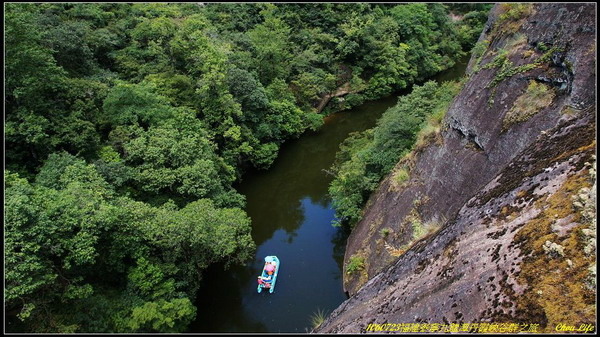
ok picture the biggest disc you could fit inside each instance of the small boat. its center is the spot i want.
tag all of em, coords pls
(269, 273)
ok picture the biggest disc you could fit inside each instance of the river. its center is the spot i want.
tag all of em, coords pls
(291, 218)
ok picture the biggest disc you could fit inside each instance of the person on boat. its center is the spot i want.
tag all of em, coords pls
(264, 280)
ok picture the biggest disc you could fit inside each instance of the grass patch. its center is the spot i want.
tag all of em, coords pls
(477, 52)
(420, 230)
(355, 264)
(356, 268)
(317, 318)
(511, 18)
(401, 176)
(536, 97)
(508, 69)
(429, 134)
(515, 41)
(499, 60)
(432, 131)
(527, 54)
(569, 110)
(395, 252)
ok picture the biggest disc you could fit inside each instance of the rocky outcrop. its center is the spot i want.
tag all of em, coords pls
(516, 150)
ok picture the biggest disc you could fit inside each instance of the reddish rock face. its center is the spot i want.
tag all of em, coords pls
(499, 189)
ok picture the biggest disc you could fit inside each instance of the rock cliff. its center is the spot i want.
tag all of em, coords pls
(507, 192)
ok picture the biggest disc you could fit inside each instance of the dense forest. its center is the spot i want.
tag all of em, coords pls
(127, 124)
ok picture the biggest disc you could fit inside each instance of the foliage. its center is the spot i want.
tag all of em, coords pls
(511, 18)
(513, 11)
(67, 241)
(270, 40)
(352, 182)
(317, 318)
(385, 231)
(508, 69)
(162, 316)
(355, 263)
(401, 176)
(45, 110)
(536, 97)
(471, 25)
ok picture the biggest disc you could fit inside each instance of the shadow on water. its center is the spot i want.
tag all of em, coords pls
(291, 218)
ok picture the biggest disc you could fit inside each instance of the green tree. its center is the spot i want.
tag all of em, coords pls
(64, 246)
(28, 100)
(162, 316)
(272, 48)
(149, 51)
(135, 104)
(27, 271)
